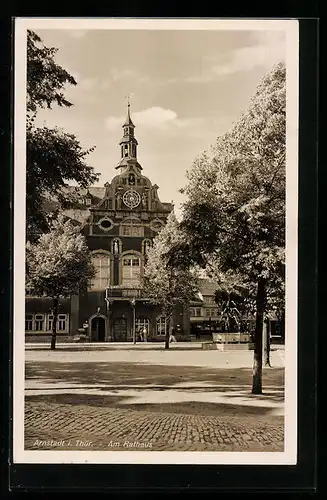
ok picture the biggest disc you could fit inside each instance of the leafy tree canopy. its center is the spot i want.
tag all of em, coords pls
(45, 79)
(235, 208)
(59, 264)
(55, 158)
(165, 285)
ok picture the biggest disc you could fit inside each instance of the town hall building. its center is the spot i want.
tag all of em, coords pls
(119, 222)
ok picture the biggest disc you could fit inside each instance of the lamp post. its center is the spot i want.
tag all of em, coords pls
(107, 303)
(133, 302)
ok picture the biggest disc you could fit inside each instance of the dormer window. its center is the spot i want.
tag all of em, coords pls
(88, 201)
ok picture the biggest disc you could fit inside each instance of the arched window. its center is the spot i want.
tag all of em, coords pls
(131, 226)
(101, 262)
(162, 325)
(131, 271)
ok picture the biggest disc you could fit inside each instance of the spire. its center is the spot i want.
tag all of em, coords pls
(128, 144)
(128, 121)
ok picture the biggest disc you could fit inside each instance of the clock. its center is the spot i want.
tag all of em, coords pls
(131, 198)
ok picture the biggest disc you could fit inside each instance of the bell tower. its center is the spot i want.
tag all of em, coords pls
(128, 144)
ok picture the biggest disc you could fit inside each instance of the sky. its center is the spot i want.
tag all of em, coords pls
(188, 87)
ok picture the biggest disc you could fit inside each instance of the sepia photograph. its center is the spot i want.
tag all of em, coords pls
(155, 230)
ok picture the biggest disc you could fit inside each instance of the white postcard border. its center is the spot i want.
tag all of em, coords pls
(289, 456)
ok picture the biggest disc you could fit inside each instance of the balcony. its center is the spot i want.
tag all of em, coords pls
(124, 293)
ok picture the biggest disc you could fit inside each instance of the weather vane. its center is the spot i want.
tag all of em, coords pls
(128, 98)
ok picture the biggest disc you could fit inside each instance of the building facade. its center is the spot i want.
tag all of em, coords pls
(119, 223)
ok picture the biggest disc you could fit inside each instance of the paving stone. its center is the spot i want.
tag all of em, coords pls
(165, 432)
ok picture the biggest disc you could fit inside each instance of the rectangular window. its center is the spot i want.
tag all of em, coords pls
(198, 312)
(136, 231)
(62, 322)
(28, 322)
(39, 322)
(161, 326)
(192, 312)
(101, 263)
(131, 272)
(50, 322)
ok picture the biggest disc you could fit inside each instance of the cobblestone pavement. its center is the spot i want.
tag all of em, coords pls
(108, 401)
(82, 427)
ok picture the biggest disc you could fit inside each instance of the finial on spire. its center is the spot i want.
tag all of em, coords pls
(128, 98)
(128, 118)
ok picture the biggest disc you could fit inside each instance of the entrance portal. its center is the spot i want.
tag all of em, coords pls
(98, 329)
(120, 330)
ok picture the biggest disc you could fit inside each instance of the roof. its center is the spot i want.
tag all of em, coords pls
(125, 162)
(128, 121)
(128, 139)
(77, 214)
(207, 287)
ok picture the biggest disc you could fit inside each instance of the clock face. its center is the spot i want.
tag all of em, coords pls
(131, 198)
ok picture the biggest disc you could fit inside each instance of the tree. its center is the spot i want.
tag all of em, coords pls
(45, 79)
(235, 208)
(58, 265)
(55, 159)
(165, 285)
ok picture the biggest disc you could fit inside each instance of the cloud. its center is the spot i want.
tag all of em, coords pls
(93, 84)
(98, 84)
(119, 74)
(267, 49)
(154, 118)
(248, 58)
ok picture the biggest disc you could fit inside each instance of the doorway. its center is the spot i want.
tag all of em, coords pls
(120, 330)
(98, 329)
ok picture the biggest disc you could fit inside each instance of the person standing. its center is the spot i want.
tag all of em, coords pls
(140, 335)
(172, 337)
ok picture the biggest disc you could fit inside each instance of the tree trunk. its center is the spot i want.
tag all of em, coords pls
(54, 323)
(167, 339)
(257, 361)
(167, 336)
(266, 345)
